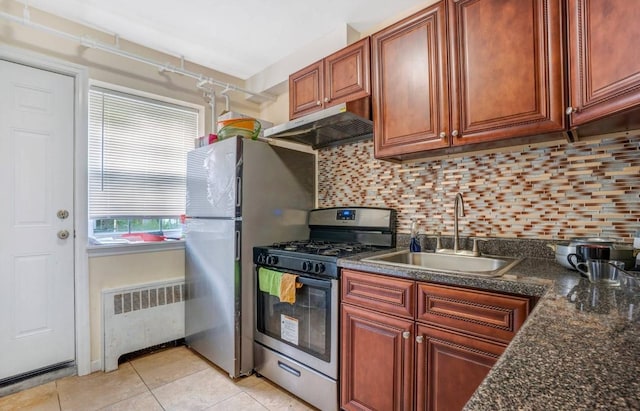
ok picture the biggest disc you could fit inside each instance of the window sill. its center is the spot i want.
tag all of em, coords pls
(134, 248)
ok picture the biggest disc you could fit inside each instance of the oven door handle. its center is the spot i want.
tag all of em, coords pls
(314, 283)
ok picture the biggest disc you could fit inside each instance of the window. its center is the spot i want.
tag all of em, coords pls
(137, 164)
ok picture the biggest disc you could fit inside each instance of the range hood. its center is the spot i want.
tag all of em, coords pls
(340, 124)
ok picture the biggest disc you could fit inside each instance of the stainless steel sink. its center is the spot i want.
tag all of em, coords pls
(486, 266)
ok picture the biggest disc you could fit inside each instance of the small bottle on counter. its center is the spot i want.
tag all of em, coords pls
(414, 244)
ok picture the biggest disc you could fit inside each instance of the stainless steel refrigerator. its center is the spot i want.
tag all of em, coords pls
(240, 193)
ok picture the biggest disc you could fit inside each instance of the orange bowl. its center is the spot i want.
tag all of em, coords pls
(246, 123)
(248, 128)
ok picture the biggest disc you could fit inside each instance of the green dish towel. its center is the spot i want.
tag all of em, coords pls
(269, 281)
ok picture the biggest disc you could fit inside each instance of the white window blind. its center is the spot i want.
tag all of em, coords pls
(137, 155)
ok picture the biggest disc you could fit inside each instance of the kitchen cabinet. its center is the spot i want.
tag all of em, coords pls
(461, 333)
(306, 90)
(410, 84)
(343, 76)
(376, 360)
(377, 348)
(480, 313)
(450, 366)
(398, 334)
(604, 59)
(463, 74)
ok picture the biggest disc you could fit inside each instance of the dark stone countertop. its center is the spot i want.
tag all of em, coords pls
(578, 350)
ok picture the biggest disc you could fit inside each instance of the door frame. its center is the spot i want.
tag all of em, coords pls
(80, 193)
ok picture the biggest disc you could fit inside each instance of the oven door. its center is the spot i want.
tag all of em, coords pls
(307, 330)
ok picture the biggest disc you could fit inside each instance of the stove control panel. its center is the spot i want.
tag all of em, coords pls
(356, 218)
(267, 259)
(345, 214)
(293, 264)
(311, 267)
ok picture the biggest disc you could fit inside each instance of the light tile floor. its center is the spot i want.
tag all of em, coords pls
(173, 379)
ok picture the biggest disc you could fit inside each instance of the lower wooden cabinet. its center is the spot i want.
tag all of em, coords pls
(400, 355)
(377, 358)
(450, 366)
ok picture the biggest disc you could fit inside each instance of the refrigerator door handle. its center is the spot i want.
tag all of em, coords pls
(237, 245)
(238, 192)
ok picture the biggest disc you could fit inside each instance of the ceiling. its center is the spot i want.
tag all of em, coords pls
(237, 37)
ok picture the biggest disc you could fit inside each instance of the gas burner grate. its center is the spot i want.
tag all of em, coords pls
(326, 248)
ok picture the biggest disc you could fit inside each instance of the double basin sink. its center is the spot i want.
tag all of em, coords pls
(484, 266)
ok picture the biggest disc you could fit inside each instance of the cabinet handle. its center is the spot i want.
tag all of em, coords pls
(318, 103)
(571, 110)
(406, 335)
(454, 133)
(443, 134)
(326, 99)
(419, 339)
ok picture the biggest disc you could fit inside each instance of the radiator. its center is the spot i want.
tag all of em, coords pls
(140, 317)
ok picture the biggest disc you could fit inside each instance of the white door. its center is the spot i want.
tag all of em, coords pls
(36, 182)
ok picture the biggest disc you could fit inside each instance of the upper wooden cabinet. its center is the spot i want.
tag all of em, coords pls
(468, 71)
(306, 90)
(410, 84)
(604, 58)
(341, 77)
(508, 74)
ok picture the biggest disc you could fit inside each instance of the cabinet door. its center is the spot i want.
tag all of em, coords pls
(305, 90)
(376, 361)
(410, 85)
(483, 313)
(347, 74)
(507, 77)
(393, 296)
(604, 70)
(450, 366)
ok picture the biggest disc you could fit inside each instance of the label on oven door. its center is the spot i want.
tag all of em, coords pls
(289, 329)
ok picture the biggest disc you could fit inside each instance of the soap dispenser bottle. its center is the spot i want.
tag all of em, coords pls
(414, 244)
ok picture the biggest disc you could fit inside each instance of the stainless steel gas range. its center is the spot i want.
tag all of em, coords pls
(296, 344)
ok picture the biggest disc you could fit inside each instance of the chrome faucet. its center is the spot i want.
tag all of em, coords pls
(458, 211)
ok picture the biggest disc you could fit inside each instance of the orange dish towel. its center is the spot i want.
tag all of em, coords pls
(288, 286)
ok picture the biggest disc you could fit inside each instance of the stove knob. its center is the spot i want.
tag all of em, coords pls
(262, 258)
(307, 266)
(272, 260)
(318, 268)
